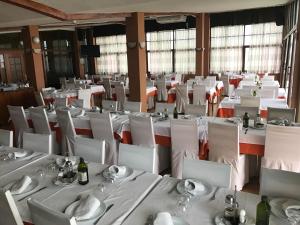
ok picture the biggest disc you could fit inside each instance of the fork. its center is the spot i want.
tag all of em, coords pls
(213, 197)
(133, 179)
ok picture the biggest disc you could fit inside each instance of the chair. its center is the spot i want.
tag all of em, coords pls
(268, 83)
(243, 92)
(42, 215)
(178, 77)
(239, 111)
(133, 106)
(78, 103)
(182, 97)
(266, 93)
(92, 150)
(196, 110)
(63, 82)
(281, 114)
(250, 101)
(110, 105)
(216, 174)
(102, 128)
(6, 137)
(282, 148)
(190, 83)
(228, 88)
(37, 142)
(8, 209)
(162, 92)
(160, 107)
(60, 102)
(85, 95)
(39, 98)
(107, 87)
(138, 157)
(274, 88)
(185, 144)
(223, 144)
(18, 117)
(199, 95)
(142, 133)
(279, 183)
(121, 96)
(68, 131)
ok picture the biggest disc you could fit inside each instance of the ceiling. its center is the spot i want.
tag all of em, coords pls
(14, 16)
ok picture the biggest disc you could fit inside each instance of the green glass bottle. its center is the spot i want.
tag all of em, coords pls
(83, 173)
(175, 113)
(263, 211)
(246, 120)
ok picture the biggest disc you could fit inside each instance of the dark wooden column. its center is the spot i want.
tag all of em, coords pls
(136, 57)
(78, 66)
(33, 57)
(91, 60)
(206, 55)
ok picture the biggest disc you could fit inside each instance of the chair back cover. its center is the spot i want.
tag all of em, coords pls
(216, 174)
(182, 97)
(282, 148)
(281, 114)
(267, 93)
(250, 101)
(268, 78)
(162, 92)
(78, 103)
(92, 150)
(121, 96)
(60, 102)
(6, 137)
(138, 157)
(85, 95)
(279, 183)
(274, 88)
(107, 87)
(239, 111)
(39, 98)
(63, 82)
(227, 89)
(37, 142)
(42, 215)
(196, 110)
(40, 120)
(185, 143)
(133, 106)
(110, 105)
(160, 107)
(199, 95)
(8, 209)
(243, 92)
(178, 77)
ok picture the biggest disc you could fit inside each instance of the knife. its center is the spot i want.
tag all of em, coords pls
(42, 188)
(108, 208)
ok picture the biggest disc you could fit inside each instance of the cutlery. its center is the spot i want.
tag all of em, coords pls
(108, 208)
(133, 179)
(246, 130)
(34, 157)
(213, 197)
(26, 196)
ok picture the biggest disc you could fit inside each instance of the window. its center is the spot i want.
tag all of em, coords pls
(113, 54)
(252, 48)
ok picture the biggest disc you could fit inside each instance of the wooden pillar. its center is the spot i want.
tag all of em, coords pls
(295, 95)
(136, 57)
(202, 44)
(78, 66)
(91, 60)
(33, 57)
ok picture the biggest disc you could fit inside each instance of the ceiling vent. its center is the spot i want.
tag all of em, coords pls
(171, 19)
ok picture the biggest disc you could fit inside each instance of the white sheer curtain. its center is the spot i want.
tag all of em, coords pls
(264, 51)
(185, 55)
(227, 48)
(113, 54)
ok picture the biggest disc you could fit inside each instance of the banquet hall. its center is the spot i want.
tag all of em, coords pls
(162, 112)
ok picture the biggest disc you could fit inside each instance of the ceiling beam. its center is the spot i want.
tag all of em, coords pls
(39, 8)
(91, 16)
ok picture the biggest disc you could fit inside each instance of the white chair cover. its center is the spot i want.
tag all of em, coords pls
(185, 144)
(110, 105)
(8, 209)
(68, 131)
(160, 107)
(121, 96)
(18, 117)
(92, 150)
(268, 78)
(60, 102)
(228, 88)
(162, 92)
(63, 82)
(266, 93)
(250, 101)
(279, 183)
(85, 95)
(78, 103)
(243, 92)
(216, 174)
(239, 111)
(268, 83)
(274, 88)
(182, 97)
(196, 110)
(6, 138)
(190, 83)
(282, 148)
(70, 85)
(280, 114)
(223, 142)
(133, 106)
(39, 98)
(199, 79)
(37, 142)
(138, 157)
(178, 77)
(107, 87)
(102, 129)
(42, 215)
(199, 95)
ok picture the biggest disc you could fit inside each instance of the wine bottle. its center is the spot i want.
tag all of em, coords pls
(246, 120)
(83, 173)
(175, 113)
(263, 211)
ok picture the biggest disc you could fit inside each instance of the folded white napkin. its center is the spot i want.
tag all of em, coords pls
(20, 185)
(193, 187)
(163, 218)
(292, 208)
(117, 171)
(14, 155)
(87, 207)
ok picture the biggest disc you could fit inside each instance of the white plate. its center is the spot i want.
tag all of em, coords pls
(107, 175)
(33, 185)
(181, 189)
(233, 119)
(99, 212)
(276, 207)
(258, 128)
(219, 216)
(179, 221)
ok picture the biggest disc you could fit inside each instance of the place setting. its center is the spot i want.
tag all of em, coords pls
(66, 171)
(11, 154)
